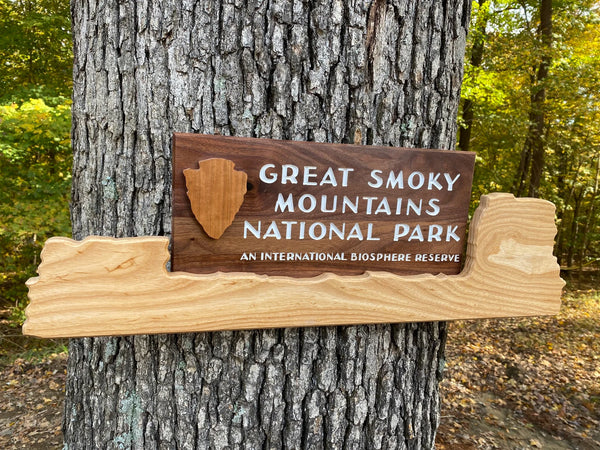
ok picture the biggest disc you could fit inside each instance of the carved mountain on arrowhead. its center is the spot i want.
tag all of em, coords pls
(216, 192)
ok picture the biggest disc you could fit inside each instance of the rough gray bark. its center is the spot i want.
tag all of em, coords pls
(333, 71)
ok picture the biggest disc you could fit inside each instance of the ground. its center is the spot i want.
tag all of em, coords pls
(525, 383)
(31, 395)
(509, 384)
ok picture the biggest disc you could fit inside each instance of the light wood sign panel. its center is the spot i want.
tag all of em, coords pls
(301, 209)
(254, 217)
(105, 286)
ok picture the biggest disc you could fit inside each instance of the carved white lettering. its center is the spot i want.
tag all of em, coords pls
(451, 180)
(377, 180)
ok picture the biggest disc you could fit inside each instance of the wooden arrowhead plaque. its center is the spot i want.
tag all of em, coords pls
(106, 286)
(216, 192)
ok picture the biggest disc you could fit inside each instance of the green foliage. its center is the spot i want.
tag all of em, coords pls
(501, 89)
(35, 48)
(35, 162)
(31, 350)
(35, 154)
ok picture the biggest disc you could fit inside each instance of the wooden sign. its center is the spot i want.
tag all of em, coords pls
(216, 193)
(308, 208)
(105, 286)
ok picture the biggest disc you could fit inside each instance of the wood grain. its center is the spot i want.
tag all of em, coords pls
(194, 251)
(216, 192)
(106, 286)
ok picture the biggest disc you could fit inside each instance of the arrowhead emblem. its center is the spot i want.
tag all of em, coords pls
(216, 192)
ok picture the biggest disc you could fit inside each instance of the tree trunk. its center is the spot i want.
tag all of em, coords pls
(373, 73)
(563, 159)
(573, 245)
(591, 214)
(538, 108)
(476, 59)
(532, 157)
(562, 236)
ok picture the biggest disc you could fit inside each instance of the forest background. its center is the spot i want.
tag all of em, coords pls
(530, 110)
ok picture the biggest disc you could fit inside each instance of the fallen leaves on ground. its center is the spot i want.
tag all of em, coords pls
(31, 394)
(540, 374)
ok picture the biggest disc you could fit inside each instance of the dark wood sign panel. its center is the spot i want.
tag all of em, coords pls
(312, 208)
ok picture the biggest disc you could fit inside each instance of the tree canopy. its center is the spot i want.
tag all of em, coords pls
(35, 150)
(502, 80)
(35, 48)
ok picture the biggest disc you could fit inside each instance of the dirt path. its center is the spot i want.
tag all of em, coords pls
(525, 382)
(492, 426)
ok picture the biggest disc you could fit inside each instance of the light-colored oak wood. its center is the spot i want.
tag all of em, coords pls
(216, 192)
(106, 286)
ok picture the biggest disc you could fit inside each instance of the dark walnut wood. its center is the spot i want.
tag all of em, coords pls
(312, 208)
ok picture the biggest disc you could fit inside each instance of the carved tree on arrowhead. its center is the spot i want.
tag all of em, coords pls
(333, 71)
